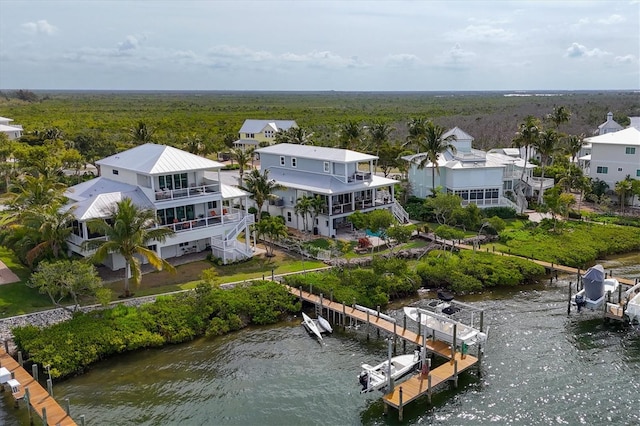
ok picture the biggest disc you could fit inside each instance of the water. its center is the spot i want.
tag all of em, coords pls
(540, 367)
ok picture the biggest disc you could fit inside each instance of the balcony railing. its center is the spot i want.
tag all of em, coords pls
(229, 215)
(192, 191)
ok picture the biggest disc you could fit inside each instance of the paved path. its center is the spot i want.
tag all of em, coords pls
(6, 275)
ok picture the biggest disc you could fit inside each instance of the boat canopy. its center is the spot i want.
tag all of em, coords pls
(593, 281)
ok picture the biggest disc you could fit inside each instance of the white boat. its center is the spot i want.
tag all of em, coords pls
(324, 325)
(440, 327)
(377, 377)
(596, 286)
(632, 312)
(374, 313)
(311, 326)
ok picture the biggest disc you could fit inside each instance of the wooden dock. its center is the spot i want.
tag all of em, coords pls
(418, 385)
(44, 405)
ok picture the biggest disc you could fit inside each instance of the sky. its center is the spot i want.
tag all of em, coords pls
(298, 45)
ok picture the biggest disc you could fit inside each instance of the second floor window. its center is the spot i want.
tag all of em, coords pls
(282, 161)
(602, 170)
(630, 150)
(326, 167)
(294, 162)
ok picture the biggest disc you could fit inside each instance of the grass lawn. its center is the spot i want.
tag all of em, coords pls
(187, 276)
(17, 298)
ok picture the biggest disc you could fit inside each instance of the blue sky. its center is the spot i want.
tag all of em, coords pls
(328, 45)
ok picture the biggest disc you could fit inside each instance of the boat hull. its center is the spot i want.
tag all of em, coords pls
(441, 328)
(374, 378)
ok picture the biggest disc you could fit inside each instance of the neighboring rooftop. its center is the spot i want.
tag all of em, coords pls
(256, 126)
(628, 136)
(317, 153)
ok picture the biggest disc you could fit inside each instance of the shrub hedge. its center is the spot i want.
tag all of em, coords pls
(71, 346)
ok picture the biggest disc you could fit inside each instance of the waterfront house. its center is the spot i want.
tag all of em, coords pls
(182, 188)
(345, 180)
(488, 179)
(614, 156)
(261, 132)
(13, 131)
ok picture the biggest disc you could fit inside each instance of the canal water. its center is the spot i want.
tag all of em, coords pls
(540, 366)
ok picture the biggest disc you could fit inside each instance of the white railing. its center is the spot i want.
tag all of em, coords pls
(399, 212)
(230, 215)
(534, 182)
(192, 191)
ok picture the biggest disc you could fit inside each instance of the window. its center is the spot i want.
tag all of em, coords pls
(638, 172)
(212, 205)
(114, 171)
(326, 167)
(282, 161)
(288, 216)
(630, 150)
(602, 170)
(294, 162)
(176, 181)
(619, 169)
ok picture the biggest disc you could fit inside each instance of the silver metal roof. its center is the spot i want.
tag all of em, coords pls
(458, 133)
(324, 184)
(153, 159)
(256, 126)
(317, 153)
(628, 136)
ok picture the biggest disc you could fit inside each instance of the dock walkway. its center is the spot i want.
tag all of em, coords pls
(39, 399)
(418, 385)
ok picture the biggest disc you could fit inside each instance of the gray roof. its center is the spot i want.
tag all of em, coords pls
(628, 136)
(156, 159)
(324, 184)
(93, 198)
(317, 153)
(458, 133)
(230, 192)
(256, 126)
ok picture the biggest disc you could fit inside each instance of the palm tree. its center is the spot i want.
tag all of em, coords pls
(270, 230)
(261, 188)
(53, 225)
(432, 146)
(526, 137)
(350, 135)
(379, 133)
(303, 208)
(195, 145)
(417, 131)
(318, 205)
(243, 157)
(129, 232)
(141, 134)
(559, 116)
(296, 135)
(574, 145)
(32, 191)
(623, 189)
(546, 145)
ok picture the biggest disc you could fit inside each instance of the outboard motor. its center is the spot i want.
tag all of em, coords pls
(580, 302)
(363, 378)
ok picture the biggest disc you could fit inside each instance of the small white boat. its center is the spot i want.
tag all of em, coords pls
(632, 312)
(441, 327)
(377, 377)
(324, 325)
(311, 326)
(595, 290)
(375, 313)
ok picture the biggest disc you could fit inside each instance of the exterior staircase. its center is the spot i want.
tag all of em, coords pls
(399, 212)
(228, 248)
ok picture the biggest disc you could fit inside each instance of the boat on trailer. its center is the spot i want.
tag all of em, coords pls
(596, 286)
(441, 327)
(373, 378)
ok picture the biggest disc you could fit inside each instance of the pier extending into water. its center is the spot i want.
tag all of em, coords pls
(420, 384)
(37, 399)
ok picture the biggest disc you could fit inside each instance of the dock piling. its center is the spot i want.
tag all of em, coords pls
(34, 371)
(67, 406)
(569, 299)
(400, 407)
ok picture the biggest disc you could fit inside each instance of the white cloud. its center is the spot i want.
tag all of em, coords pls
(483, 33)
(130, 43)
(456, 58)
(613, 19)
(403, 60)
(577, 50)
(627, 59)
(40, 27)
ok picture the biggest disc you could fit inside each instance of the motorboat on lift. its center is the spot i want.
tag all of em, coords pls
(441, 327)
(311, 326)
(377, 377)
(596, 286)
(632, 311)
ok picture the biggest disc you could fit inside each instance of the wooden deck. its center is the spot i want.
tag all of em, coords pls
(39, 398)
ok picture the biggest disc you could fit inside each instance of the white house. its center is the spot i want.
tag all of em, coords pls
(254, 132)
(615, 155)
(344, 179)
(182, 188)
(482, 178)
(13, 131)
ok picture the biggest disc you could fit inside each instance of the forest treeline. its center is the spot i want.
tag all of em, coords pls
(490, 117)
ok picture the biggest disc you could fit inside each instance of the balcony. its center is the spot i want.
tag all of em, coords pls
(183, 193)
(229, 215)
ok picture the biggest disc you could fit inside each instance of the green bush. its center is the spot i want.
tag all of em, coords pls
(501, 212)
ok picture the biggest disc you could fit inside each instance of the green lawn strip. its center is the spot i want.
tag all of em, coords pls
(17, 298)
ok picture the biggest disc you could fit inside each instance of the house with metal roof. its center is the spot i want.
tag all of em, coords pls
(256, 132)
(614, 156)
(13, 131)
(345, 180)
(183, 189)
(488, 179)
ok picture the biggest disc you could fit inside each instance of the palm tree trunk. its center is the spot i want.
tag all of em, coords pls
(127, 268)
